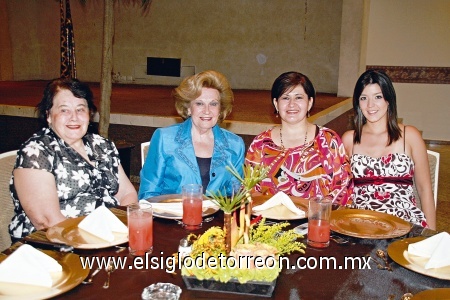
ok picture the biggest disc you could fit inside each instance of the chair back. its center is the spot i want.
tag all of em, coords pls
(7, 161)
(144, 151)
(433, 161)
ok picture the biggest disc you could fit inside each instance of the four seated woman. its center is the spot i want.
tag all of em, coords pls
(62, 172)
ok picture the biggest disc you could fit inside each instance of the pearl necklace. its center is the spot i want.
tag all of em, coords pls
(281, 137)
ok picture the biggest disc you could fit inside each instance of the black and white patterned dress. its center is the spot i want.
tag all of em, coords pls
(81, 186)
(385, 184)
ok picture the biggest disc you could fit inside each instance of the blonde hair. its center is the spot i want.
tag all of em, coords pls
(191, 88)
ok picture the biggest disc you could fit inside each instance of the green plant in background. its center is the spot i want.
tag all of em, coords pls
(252, 176)
(228, 205)
(267, 241)
(274, 235)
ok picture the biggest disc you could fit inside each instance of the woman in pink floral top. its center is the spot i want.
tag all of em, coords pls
(305, 160)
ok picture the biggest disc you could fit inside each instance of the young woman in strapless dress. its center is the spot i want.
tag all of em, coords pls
(386, 156)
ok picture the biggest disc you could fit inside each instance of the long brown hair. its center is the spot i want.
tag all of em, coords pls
(382, 79)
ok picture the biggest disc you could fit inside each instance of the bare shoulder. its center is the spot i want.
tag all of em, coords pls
(415, 145)
(412, 135)
(347, 140)
(347, 137)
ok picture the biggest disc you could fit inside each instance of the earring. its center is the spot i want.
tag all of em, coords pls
(307, 114)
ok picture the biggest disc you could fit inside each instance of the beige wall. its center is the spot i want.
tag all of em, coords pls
(226, 36)
(414, 33)
(304, 35)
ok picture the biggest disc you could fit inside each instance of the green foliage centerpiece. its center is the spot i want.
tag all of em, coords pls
(221, 249)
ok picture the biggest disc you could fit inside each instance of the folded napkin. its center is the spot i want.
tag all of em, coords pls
(280, 198)
(176, 208)
(28, 265)
(102, 223)
(435, 248)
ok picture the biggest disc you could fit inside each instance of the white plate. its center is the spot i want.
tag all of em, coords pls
(67, 232)
(280, 212)
(398, 251)
(170, 198)
(71, 276)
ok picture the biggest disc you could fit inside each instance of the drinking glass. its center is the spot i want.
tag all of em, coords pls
(192, 195)
(140, 228)
(319, 211)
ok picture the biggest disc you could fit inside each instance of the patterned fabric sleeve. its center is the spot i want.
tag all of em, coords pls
(339, 166)
(254, 156)
(35, 155)
(81, 185)
(319, 168)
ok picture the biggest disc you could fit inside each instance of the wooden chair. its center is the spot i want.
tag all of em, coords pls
(7, 161)
(433, 161)
(144, 151)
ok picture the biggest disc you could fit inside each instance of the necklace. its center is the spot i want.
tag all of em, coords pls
(281, 137)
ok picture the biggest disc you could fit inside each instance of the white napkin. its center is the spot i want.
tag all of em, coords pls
(280, 198)
(102, 223)
(176, 208)
(435, 248)
(28, 265)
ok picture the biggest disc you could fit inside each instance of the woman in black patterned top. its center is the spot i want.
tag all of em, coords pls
(62, 171)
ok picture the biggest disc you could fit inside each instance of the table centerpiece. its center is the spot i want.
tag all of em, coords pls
(242, 259)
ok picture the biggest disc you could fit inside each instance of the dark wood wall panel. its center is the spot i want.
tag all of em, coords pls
(408, 74)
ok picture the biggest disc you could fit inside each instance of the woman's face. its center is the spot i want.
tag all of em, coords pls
(205, 110)
(293, 106)
(372, 103)
(69, 116)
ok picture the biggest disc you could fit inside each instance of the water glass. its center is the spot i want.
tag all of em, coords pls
(319, 211)
(192, 195)
(140, 228)
(161, 290)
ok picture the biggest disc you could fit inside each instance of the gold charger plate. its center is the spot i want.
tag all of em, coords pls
(171, 198)
(280, 212)
(440, 293)
(398, 251)
(368, 224)
(67, 232)
(71, 276)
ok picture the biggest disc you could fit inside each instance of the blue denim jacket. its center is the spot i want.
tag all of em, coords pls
(171, 161)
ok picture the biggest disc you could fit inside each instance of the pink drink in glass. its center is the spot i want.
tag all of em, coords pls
(140, 230)
(192, 213)
(318, 233)
(319, 211)
(192, 206)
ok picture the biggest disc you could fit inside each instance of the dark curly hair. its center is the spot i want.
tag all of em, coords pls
(79, 89)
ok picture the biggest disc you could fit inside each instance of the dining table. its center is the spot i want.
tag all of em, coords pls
(362, 280)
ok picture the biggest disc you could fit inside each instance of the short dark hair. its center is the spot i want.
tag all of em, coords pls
(79, 89)
(387, 88)
(288, 81)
